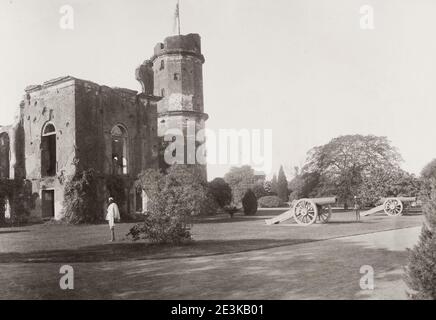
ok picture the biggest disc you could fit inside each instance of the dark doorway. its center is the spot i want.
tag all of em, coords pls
(138, 197)
(48, 204)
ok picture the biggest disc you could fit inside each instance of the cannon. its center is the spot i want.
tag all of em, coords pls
(307, 211)
(393, 206)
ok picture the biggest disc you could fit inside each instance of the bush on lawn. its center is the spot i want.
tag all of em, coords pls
(421, 269)
(209, 206)
(271, 202)
(249, 203)
(173, 199)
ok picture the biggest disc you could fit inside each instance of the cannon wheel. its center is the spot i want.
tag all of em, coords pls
(393, 207)
(305, 212)
(324, 214)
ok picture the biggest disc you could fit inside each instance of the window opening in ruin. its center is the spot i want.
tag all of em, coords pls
(48, 151)
(119, 150)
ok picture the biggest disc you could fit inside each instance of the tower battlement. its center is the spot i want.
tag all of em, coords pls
(189, 44)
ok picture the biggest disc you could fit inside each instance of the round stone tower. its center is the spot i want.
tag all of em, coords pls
(178, 79)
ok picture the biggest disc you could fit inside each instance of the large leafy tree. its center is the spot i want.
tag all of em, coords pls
(347, 161)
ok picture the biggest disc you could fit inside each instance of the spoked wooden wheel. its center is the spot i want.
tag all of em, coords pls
(393, 207)
(305, 212)
(324, 214)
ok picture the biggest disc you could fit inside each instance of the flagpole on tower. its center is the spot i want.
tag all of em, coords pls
(178, 16)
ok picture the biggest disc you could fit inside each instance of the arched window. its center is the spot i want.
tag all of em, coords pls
(119, 150)
(4, 155)
(48, 151)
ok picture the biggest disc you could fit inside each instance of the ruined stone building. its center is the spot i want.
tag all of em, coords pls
(68, 124)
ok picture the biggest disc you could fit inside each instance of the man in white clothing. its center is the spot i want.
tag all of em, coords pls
(113, 214)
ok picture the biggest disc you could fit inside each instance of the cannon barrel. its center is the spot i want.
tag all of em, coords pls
(323, 201)
(402, 199)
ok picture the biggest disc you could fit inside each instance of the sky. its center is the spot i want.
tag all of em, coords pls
(303, 68)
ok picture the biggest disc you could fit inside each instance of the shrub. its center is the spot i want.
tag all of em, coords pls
(271, 202)
(220, 190)
(173, 199)
(421, 270)
(80, 198)
(209, 207)
(249, 203)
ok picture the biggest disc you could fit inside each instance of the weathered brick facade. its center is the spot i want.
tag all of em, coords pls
(68, 124)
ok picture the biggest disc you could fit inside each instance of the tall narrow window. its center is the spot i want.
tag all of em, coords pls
(4, 155)
(162, 65)
(162, 92)
(119, 150)
(48, 151)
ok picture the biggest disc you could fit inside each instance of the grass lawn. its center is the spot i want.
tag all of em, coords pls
(280, 261)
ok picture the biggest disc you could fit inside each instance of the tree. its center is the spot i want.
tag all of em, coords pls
(249, 203)
(421, 271)
(274, 185)
(220, 191)
(388, 183)
(174, 198)
(346, 161)
(304, 185)
(282, 185)
(240, 180)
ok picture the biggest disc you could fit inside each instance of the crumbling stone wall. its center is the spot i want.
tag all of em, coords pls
(53, 102)
(83, 114)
